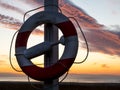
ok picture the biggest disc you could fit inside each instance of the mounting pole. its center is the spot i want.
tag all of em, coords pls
(51, 35)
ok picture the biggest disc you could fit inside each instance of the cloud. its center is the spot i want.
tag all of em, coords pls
(3, 59)
(94, 78)
(81, 16)
(114, 29)
(99, 38)
(11, 75)
(2, 62)
(103, 41)
(9, 22)
(7, 6)
(12, 23)
(104, 66)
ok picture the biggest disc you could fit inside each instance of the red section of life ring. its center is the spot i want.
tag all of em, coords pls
(71, 46)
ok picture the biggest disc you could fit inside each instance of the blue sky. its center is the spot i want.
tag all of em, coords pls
(106, 12)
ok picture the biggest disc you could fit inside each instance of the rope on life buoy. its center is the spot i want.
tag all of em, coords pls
(67, 59)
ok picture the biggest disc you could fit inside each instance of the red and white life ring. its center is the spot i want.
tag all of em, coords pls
(71, 46)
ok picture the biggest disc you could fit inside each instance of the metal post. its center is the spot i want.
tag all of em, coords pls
(51, 35)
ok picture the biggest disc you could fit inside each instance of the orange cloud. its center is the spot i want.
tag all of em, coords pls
(104, 66)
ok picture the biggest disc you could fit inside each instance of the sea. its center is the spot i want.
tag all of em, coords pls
(77, 78)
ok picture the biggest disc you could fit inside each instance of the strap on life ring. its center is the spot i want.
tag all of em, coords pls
(71, 46)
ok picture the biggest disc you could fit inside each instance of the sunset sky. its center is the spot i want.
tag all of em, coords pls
(99, 19)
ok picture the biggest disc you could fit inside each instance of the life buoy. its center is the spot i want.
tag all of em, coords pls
(71, 46)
